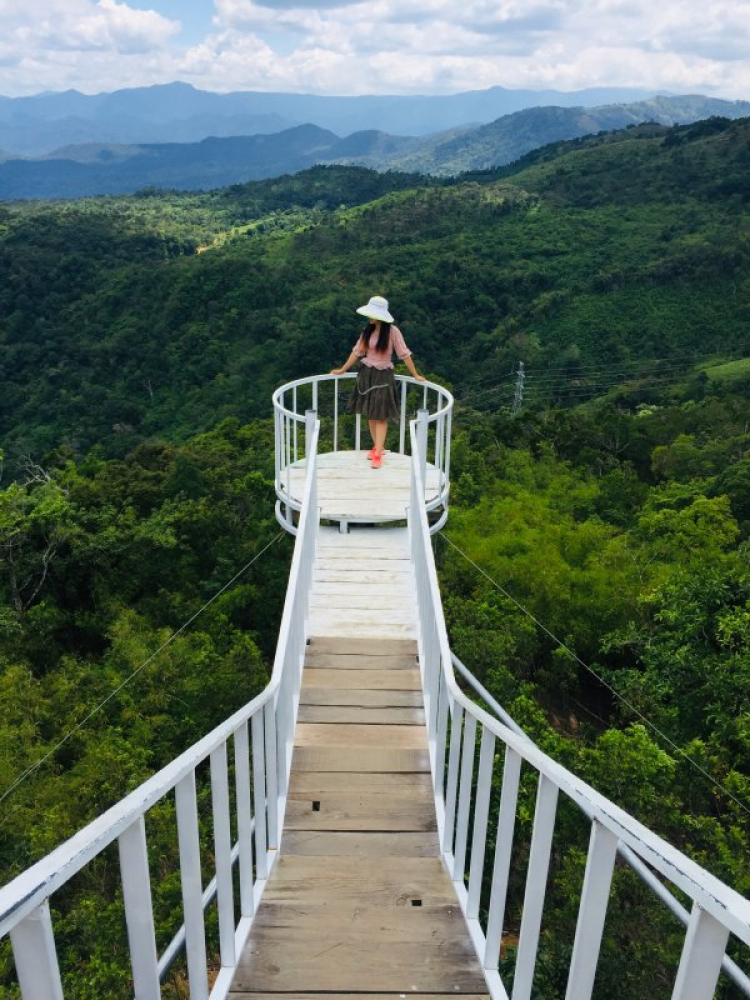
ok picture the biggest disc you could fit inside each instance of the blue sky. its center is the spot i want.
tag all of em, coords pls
(376, 46)
(195, 16)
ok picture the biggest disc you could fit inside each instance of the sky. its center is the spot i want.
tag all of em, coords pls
(376, 46)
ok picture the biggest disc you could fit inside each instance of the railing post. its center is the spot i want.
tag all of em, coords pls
(506, 822)
(702, 954)
(139, 914)
(536, 885)
(441, 735)
(592, 913)
(272, 787)
(310, 417)
(259, 795)
(192, 888)
(481, 815)
(223, 854)
(244, 819)
(35, 956)
(296, 422)
(464, 798)
(450, 795)
(402, 421)
(336, 414)
(422, 427)
(447, 456)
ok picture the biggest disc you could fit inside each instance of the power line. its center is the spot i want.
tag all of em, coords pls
(571, 388)
(667, 362)
(718, 356)
(50, 753)
(601, 680)
(613, 373)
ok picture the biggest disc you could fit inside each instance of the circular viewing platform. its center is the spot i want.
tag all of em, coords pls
(349, 490)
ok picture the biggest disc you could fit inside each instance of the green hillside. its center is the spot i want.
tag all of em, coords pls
(115, 329)
(142, 338)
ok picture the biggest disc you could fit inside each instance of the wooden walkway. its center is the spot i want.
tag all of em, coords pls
(359, 901)
(350, 489)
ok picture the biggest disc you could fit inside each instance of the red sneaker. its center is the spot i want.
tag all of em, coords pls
(371, 454)
(377, 460)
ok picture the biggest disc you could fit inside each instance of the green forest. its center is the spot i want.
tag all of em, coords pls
(142, 338)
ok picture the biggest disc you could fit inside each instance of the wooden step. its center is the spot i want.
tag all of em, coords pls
(365, 698)
(343, 714)
(370, 647)
(316, 843)
(357, 661)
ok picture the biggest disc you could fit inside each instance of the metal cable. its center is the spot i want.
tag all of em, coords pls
(601, 680)
(50, 753)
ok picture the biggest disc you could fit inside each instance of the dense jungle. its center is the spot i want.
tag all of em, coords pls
(596, 563)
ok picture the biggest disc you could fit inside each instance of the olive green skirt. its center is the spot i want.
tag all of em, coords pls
(374, 394)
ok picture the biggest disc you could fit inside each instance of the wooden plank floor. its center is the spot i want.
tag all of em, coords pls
(349, 488)
(359, 903)
(362, 587)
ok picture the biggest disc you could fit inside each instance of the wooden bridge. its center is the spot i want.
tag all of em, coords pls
(365, 850)
(359, 900)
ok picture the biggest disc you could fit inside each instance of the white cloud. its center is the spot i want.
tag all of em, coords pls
(383, 46)
(54, 44)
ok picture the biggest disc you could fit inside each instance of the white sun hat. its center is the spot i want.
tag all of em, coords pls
(376, 308)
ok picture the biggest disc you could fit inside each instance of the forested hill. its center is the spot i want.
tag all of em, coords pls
(141, 340)
(76, 171)
(602, 251)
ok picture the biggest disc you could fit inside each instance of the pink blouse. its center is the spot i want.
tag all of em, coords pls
(382, 359)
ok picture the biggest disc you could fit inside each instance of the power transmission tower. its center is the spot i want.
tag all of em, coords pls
(518, 394)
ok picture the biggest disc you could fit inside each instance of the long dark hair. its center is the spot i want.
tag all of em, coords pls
(383, 340)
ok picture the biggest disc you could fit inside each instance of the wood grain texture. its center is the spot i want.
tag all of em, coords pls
(331, 626)
(339, 961)
(360, 759)
(353, 644)
(350, 616)
(361, 696)
(359, 661)
(377, 605)
(349, 996)
(358, 813)
(353, 735)
(342, 714)
(387, 587)
(366, 680)
(412, 786)
(314, 843)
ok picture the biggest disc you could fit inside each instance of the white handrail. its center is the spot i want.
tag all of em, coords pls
(717, 909)
(24, 908)
(641, 870)
(292, 402)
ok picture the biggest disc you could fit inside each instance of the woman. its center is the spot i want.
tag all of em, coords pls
(374, 395)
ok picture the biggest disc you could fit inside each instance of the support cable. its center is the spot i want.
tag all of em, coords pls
(606, 684)
(50, 753)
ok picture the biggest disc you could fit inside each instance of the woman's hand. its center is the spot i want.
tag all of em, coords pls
(337, 371)
(420, 378)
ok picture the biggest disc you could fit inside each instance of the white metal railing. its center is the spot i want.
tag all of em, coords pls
(322, 395)
(463, 783)
(262, 736)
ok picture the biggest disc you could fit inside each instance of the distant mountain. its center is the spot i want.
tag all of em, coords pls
(109, 168)
(507, 139)
(212, 163)
(178, 112)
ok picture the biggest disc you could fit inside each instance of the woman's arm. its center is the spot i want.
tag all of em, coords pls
(410, 365)
(403, 353)
(352, 359)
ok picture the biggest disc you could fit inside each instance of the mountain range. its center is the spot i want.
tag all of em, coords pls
(177, 112)
(107, 168)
